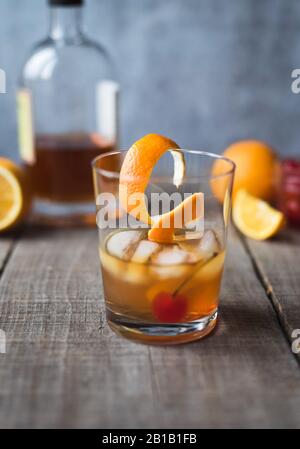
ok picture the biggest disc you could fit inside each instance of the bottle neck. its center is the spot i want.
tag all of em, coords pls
(66, 24)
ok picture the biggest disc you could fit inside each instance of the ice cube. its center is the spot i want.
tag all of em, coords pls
(111, 264)
(202, 249)
(173, 255)
(209, 245)
(123, 244)
(135, 273)
(144, 251)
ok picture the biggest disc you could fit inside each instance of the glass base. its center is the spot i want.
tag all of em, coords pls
(161, 334)
(63, 214)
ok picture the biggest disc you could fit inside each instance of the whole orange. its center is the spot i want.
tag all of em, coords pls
(256, 165)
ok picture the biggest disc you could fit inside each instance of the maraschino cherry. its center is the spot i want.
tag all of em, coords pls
(169, 308)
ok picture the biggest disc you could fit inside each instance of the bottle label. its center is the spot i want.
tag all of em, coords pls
(25, 125)
(107, 103)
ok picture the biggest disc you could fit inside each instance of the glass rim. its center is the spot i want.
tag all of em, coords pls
(115, 175)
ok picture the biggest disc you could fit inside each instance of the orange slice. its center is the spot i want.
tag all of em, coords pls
(137, 168)
(255, 218)
(14, 194)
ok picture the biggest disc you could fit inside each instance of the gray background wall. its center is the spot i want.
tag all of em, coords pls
(205, 72)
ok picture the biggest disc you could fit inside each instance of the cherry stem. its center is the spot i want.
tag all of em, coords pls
(189, 277)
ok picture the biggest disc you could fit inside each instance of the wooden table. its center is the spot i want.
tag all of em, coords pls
(65, 368)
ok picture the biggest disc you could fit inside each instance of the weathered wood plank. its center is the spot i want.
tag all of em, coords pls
(277, 263)
(244, 375)
(64, 367)
(6, 244)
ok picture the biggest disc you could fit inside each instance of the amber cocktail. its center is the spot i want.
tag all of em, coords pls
(161, 289)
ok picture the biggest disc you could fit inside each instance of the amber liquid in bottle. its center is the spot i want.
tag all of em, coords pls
(68, 115)
(62, 171)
